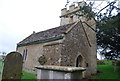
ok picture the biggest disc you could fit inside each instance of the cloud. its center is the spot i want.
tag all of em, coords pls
(19, 18)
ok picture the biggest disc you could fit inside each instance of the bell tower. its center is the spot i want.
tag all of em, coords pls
(68, 15)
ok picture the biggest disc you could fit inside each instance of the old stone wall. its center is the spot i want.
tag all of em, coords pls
(33, 53)
(51, 51)
(52, 54)
(76, 44)
(92, 49)
(66, 51)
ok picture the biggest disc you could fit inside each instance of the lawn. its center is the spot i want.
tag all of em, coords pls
(107, 71)
(1, 66)
(27, 75)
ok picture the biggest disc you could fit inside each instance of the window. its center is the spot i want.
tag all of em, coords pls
(24, 54)
(70, 19)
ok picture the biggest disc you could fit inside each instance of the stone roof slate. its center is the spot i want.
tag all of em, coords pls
(45, 35)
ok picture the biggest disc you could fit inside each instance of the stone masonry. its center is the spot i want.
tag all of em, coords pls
(73, 43)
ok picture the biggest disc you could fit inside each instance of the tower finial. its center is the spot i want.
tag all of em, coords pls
(118, 6)
(33, 32)
(67, 3)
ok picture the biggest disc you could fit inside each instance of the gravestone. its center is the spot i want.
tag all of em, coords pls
(12, 68)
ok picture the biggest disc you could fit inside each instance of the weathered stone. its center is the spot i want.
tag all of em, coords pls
(100, 62)
(117, 66)
(59, 72)
(12, 66)
(42, 60)
(77, 47)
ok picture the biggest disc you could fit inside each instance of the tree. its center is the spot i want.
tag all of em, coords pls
(3, 53)
(108, 29)
(108, 36)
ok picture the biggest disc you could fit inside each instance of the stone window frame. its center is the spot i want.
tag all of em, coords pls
(25, 53)
(81, 60)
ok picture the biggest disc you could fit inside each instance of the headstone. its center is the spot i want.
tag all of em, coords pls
(12, 66)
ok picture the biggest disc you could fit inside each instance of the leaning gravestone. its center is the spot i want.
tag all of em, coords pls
(12, 66)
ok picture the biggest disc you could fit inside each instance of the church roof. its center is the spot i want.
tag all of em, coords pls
(45, 36)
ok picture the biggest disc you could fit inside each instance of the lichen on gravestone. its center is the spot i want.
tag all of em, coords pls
(12, 68)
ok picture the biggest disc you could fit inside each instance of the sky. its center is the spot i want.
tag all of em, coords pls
(19, 18)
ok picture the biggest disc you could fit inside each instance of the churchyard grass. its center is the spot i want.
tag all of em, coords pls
(1, 63)
(27, 75)
(107, 71)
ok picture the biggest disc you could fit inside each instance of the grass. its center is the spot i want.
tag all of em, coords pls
(27, 75)
(1, 64)
(107, 71)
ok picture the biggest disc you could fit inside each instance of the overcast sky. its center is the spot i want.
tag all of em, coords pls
(19, 18)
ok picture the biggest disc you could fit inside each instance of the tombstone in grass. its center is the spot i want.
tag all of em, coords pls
(12, 68)
(117, 66)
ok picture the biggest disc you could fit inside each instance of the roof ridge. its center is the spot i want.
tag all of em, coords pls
(47, 34)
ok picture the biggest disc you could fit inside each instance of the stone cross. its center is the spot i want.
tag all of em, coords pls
(12, 68)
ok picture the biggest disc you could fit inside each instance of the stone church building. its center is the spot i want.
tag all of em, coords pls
(72, 43)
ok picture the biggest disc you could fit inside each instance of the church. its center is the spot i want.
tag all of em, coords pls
(72, 43)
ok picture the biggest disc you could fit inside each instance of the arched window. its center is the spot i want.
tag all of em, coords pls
(25, 54)
(79, 61)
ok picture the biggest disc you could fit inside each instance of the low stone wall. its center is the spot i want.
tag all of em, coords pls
(100, 62)
(116, 65)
